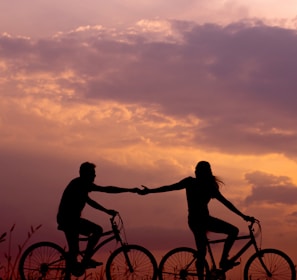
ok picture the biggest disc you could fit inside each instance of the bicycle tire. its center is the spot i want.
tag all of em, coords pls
(180, 263)
(279, 264)
(143, 264)
(43, 261)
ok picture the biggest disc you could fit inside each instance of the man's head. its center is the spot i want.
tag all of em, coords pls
(87, 171)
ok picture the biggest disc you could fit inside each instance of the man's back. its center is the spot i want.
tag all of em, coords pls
(72, 202)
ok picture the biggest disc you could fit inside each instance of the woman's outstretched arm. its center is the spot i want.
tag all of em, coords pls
(168, 188)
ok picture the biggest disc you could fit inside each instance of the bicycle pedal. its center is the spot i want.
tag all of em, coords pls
(229, 265)
(217, 274)
(92, 264)
(78, 270)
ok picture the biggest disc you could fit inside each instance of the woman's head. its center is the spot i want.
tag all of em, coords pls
(204, 173)
(203, 169)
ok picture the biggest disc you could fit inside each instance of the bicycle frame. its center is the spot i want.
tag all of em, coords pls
(115, 235)
(181, 262)
(251, 242)
(48, 260)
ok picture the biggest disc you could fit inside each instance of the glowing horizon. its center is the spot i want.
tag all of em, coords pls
(145, 91)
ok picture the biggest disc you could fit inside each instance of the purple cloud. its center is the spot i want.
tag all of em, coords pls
(267, 188)
(238, 80)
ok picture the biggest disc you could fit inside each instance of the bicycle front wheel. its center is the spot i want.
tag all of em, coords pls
(43, 261)
(269, 264)
(131, 262)
(180, 263)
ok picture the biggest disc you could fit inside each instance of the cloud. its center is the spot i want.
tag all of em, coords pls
(115, 13)
(292, 218)
(228, 89)
(268, 188)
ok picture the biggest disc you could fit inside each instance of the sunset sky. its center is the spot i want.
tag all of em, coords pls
(145, 89)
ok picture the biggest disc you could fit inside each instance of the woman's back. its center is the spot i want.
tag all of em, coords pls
(199, 192)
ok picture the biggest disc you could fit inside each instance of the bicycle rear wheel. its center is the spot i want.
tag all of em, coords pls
(131, 262)
(180, 263)
(278, 266)
(43, 261)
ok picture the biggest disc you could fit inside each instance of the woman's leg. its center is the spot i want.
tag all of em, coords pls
(201, 241)
(220, 226)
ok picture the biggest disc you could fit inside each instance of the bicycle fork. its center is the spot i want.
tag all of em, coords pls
(260, 257)
(129, 264)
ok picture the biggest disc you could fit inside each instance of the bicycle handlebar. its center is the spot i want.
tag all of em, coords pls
(253, 221)
(118, 227)
(251, 226)
(113, 216)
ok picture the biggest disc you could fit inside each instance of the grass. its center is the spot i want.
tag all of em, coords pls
(9, 264)
(9, 269)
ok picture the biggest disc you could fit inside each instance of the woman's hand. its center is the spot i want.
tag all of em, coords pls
(145, 190)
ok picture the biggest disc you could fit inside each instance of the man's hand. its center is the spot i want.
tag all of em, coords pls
(145, 190)
(112, 212)
(249, 218)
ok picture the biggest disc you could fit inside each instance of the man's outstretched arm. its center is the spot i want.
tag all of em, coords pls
(113, 189)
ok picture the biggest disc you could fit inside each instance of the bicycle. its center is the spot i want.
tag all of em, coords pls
(47, 260)
(180, 263)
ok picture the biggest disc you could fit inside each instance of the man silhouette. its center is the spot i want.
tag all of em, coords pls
(73, 201)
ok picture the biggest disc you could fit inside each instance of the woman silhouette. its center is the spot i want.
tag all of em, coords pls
(199, 191)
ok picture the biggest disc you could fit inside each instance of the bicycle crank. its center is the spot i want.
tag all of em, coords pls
(217, 274)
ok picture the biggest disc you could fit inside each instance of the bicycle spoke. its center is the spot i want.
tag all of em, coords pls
(278, 266)
(179, 263)
(43, 261)
(134, 263)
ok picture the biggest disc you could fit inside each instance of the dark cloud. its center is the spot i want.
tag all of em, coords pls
(267, 188)
(292, 218)
(239, 80)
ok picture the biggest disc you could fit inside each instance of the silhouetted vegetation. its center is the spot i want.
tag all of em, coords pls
(9, 269)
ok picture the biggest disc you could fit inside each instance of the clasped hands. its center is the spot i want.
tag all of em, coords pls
(145, 190)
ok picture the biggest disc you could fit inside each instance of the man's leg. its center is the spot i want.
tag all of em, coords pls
(220, 226)
(73, 247)
(94, 232)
